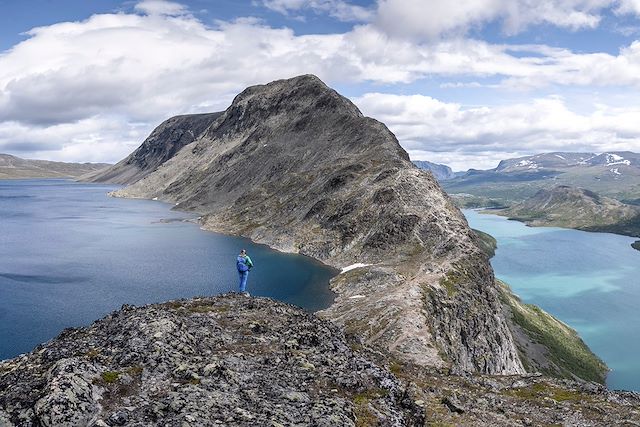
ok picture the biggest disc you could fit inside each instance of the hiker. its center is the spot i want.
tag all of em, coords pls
(244, 264)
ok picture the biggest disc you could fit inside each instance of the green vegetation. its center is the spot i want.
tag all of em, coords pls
(468, 201)
(135, 370)
(488, 243)
(541, 390)
(450, 282)
(629, 227)
(566, 350)
(364, 415)
(110, 377)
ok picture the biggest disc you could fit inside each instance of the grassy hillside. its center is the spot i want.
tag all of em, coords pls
(487, 242)
(557, 350)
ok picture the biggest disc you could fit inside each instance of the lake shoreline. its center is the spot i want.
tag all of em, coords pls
(71, 254)
(531, 223)
(581, 277)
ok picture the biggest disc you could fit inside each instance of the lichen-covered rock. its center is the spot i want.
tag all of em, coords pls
(229, 360)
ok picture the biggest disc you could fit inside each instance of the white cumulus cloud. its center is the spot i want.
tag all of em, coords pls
(342, 10)
(417, 18)
(481, 136)
(129, 71)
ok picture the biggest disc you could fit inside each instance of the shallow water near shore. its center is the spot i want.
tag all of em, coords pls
(69, 254)
(591, 281)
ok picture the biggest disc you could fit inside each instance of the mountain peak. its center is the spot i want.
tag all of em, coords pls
(295, 165)
(304, 94)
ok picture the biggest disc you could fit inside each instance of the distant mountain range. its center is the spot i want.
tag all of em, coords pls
(440, 172)
(611, 174)
(12, 167)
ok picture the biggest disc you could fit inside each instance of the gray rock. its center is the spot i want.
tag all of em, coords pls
(84, 377)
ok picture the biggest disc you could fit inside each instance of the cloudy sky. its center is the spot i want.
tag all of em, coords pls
(463, 83)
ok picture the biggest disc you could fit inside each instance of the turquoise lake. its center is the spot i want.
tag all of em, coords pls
(69, 254)
(591, 281)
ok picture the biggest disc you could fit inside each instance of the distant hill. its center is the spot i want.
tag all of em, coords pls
(440, 172)
(571, 207)
(612, 174)
(12, 167)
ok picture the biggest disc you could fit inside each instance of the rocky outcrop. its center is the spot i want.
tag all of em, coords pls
(229, 360)
(296, 166)
(164, 142)
(12, 167)
(240, 361)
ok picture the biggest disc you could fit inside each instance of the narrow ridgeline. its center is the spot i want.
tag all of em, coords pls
(296, 166)
(240, 361)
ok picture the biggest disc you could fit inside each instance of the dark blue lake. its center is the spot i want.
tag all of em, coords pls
(69, 254)
(591, 281)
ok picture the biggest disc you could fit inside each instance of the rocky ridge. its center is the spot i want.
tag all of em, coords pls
(228, 360)
(240, 361)
(296, 166)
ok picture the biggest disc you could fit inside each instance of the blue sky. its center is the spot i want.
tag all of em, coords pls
(465, 84)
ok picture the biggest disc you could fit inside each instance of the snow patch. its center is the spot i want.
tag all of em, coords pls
(528, 163)
(354, 266)
(357, 297)
(615, 171)
(560, 157)
(614, 159)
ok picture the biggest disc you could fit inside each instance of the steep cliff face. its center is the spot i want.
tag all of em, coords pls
(295, 165)
(229, 360)
(163, 143)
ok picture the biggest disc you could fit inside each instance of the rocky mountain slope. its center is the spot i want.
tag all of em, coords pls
(163, 143)
(12, 167)
(440, 172)
(240, 361)
(613, 174)
(296, 166)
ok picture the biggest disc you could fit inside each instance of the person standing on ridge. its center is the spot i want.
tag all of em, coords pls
(244, 264)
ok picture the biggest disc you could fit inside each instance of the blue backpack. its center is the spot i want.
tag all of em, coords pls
(242, 267)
